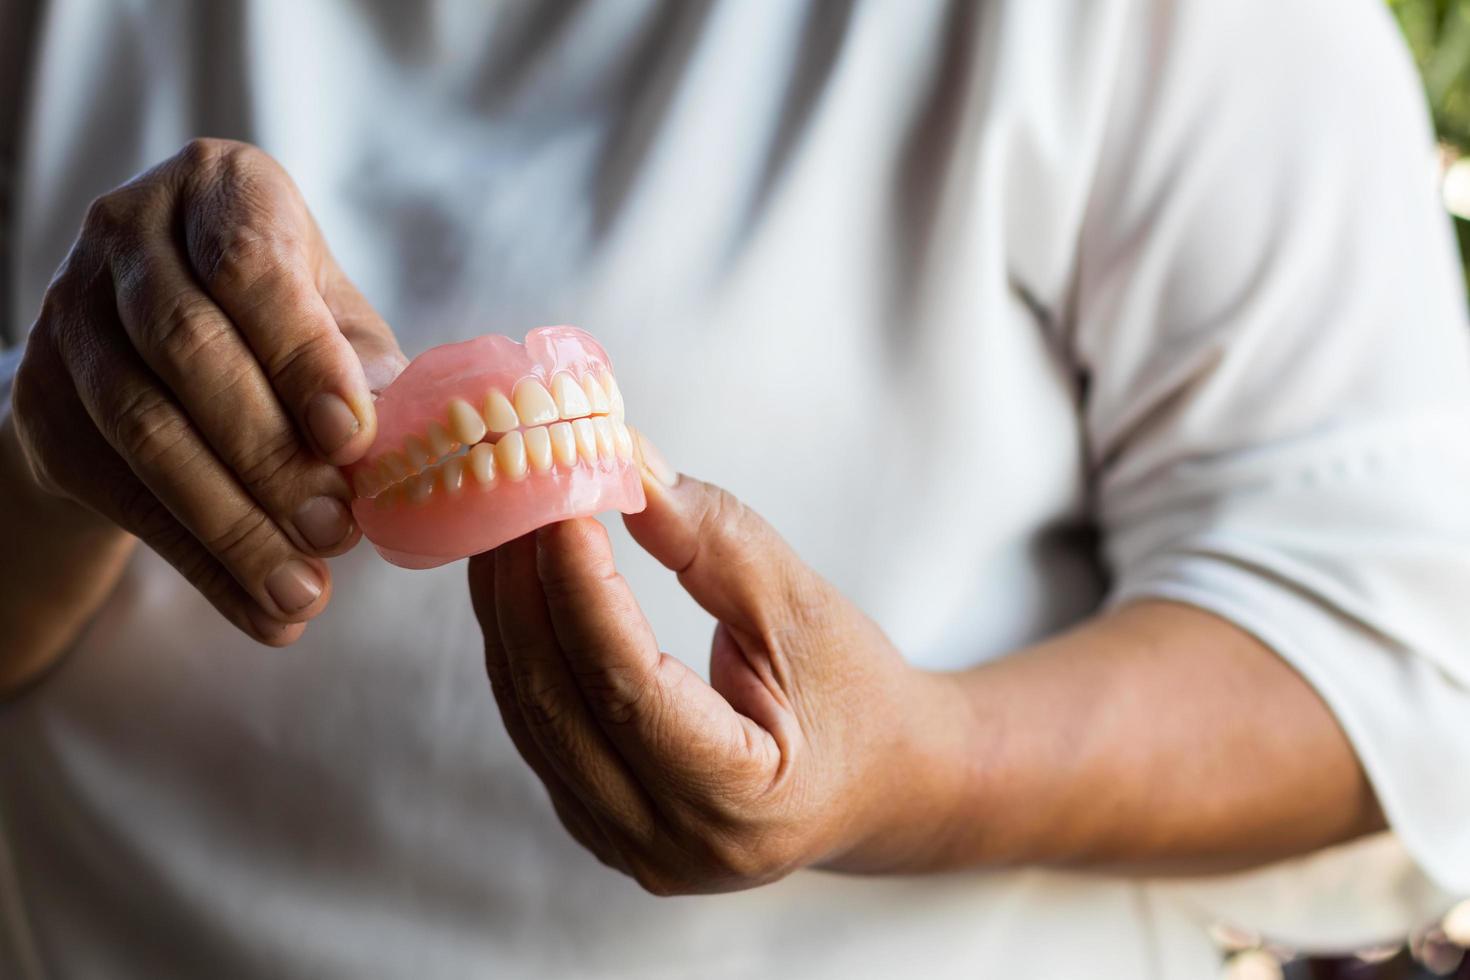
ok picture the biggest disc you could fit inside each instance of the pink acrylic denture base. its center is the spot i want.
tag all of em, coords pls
(478, 518)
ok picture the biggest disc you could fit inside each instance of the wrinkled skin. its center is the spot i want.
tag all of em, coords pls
(788, 757)
(199, 369)
(816, 744)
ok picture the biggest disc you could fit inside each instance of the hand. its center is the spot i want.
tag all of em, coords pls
(199, 365)
(814, 742)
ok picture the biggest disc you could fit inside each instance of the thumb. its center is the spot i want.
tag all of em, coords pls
(727, 557)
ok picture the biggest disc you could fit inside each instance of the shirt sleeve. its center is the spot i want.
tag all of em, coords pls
(1270, 325)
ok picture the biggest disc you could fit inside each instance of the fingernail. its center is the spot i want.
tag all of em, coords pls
(323, 522)
(331, 422)
(655, 463)
(294, 585)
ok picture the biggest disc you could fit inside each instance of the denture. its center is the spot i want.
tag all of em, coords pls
(483, 441)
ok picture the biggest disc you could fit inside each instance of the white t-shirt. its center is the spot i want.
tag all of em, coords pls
(998, 311)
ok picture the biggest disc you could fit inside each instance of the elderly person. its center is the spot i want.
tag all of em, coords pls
(1098, 371)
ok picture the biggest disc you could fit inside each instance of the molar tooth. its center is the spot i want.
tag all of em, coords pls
(481, 462)
(500, 414)
(465, 422)
(533, 402)
(596, 394)
(564, 444)
(510, 456)
(603, 428)
(451, 474)
(614, 396)
(571, 400)
(417, 452)
(419, 487)
(538, 448)
(439, 442)
(395, 467)
(586, 438)
(622, 438)
(365, 482)
(387, 499)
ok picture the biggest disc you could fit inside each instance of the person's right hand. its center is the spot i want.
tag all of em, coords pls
(199, 369)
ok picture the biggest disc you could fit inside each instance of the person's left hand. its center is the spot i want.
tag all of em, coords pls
(814, 742)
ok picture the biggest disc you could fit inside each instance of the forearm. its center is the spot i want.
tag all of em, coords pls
(1157, 738)
(61, 562)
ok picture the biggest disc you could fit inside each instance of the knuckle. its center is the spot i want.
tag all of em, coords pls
(107, 217)
(200, 569)
(541, 702)
(184, 552)
(118, 212)
(143, 515)
(740, 522)
(616, 695)
(500, 684)
(67, 323)
(241, 539)
(237, 233)
(202, 153)
(182, 328)
(302, 357)
(727, 524)
(149, 432)
(241, 259)
(262, 462)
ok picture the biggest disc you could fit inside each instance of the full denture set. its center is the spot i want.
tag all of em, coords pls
(531, 431)
(483, 441)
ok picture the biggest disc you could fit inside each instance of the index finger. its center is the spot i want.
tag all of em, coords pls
(257, 251)
(548, 700)
(663, 718)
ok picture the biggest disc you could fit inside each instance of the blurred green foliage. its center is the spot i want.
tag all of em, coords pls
(1438, 32)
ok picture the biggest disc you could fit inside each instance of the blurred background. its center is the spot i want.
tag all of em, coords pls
(1438, 32)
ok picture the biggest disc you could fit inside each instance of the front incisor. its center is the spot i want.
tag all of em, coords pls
(533, 402)
(571, 400)
(596, 396)
(614, 396)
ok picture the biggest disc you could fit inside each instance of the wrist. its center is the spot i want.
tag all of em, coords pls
(62, 561)
(43, 509)
(924, 798)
